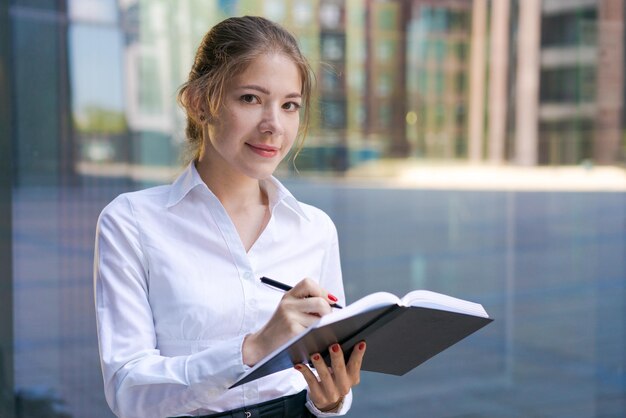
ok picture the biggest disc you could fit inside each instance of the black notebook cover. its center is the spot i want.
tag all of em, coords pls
(398, 339)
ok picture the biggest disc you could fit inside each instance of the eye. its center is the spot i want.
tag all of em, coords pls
(292, 106)
(249, 98)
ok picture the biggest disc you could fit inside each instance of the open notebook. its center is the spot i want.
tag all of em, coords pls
(401, 333)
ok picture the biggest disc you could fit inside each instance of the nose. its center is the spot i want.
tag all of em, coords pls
(271, 123)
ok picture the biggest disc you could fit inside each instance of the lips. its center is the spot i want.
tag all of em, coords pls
(263, 150)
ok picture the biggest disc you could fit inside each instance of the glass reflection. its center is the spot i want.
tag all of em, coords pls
(533, 228)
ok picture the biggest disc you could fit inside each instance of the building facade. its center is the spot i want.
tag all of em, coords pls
(499, 82)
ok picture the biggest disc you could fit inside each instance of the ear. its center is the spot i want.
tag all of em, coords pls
(206, 118)
(196, 104)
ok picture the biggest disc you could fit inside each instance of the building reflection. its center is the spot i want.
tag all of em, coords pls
(501, 82)
(504, 83)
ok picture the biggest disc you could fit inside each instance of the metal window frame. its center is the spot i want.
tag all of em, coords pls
(7, 390)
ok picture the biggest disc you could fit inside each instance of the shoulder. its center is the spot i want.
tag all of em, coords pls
(314, 213)
(318, 218)
(128, 204)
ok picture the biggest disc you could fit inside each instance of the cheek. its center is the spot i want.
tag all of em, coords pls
(244, 123)
(232, 128)
(292, 125)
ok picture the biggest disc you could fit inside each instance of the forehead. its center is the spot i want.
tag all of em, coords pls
(274, 69)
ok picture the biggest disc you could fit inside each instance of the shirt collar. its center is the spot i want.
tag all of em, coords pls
(187, 181)
(277, 193)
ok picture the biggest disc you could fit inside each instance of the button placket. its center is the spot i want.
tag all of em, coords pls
(250, 301)
(251, 393)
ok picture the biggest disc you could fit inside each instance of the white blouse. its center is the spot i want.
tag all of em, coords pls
(176, 293)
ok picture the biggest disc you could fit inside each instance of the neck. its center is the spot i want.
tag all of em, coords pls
(234, 191)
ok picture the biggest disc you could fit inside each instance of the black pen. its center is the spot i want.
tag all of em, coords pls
(287, 288)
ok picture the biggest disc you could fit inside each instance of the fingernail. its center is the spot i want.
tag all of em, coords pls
(297, 366)
(362, 346)
(335, 348)
(316, 357)
(332, 297)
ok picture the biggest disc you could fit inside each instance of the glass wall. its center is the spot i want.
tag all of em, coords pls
(471, 147)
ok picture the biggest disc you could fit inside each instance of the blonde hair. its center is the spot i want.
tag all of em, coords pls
(225, 52)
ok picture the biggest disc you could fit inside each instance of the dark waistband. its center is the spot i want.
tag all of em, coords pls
(292, 406)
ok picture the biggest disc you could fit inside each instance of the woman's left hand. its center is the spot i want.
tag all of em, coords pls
(334, 383)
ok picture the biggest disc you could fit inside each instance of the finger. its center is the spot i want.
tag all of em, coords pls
(322, 370)
(337, 360)
(315, 305)
(355, 362)
(328, 389)
(307, 288)
(315, 391)
(342, 379)
(310, 305)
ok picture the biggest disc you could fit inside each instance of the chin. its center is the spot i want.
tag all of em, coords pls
(260, 174)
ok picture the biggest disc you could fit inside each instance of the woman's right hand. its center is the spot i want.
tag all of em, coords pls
(298, 309)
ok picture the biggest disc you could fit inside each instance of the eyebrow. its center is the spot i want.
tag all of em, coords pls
(266, 91)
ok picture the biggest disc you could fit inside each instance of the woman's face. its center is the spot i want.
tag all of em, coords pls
(258, 120)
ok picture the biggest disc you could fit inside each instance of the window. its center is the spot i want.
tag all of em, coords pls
(87, 111)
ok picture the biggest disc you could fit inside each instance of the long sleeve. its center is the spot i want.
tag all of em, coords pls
(345, 407)
(138, 381)
(176, 292)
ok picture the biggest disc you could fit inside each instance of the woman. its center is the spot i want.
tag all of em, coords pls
(180, 308)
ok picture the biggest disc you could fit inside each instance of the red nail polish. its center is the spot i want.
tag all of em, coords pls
(297, 366)
(316, 357)
(332, 297)
(362, 346)
(335, 348)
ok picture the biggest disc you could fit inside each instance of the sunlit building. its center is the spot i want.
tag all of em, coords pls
(429, 79)
(437, 72)
(522, 82)
(568, 75)
(565, 83)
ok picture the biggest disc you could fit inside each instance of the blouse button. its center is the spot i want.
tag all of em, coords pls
(247, 275)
